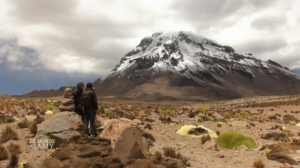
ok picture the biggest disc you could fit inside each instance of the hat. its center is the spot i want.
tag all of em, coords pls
(80, 83)
(89, 85)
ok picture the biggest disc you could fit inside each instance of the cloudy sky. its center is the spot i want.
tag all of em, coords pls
(45, 44)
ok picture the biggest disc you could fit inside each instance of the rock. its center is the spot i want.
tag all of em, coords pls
(60, 122)
(67, 101)
(220, 155)
(66, 108)
(286, 165)
(136, 122)
(218, 117)
(271, 116)
(31, 118)
(211, 145)
(114, 109)
(274, 135)
(126, 140)
(130, 107)
(67, 95)
(181, 144)
(29, 136)
(66, 137)
(297, 158)
(127, 115)
(242, 148)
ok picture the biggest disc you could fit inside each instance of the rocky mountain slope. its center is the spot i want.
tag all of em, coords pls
(186, 65)
(44, 93)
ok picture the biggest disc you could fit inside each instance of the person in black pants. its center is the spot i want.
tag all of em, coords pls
(77, 96)
(90, 109)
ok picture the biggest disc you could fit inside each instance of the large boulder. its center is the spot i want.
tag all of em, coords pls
(65, 137)
(64, 127)
(127, 140)
(61, 122)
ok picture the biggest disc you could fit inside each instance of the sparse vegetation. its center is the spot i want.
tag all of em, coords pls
(15, 147)
(232, 139)
(258, 163)
(165, 110)
(205, 138)
(219, 124)
(33, 127)
(169, 152)
(201, 110)
(148, 135)
(50, 107)
(191, 115)
(23, 124)
(242, 114)
(13, 160)
(8, 133)
(158, 157)
(3, 153)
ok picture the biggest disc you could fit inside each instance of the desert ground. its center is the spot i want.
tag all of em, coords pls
(270, 121)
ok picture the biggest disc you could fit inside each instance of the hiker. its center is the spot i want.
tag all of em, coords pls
(77, 96)
(90, 107)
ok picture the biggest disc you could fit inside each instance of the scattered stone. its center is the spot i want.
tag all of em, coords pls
(274, 135)
(31, 118)
(218, 117)
(29, 136)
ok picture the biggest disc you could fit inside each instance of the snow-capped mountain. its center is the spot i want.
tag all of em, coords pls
(186, 65)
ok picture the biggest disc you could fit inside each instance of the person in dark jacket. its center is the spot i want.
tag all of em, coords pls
(90, 112)
(77, 96)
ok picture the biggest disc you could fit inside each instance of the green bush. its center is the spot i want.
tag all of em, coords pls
(49, 106)
(166, 110)
(232, 139)
(202, 110)
(242, 114)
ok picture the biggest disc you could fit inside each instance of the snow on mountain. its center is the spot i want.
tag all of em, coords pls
(180, 51)
(207, 63)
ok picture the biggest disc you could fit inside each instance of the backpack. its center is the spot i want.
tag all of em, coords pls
(86, 100)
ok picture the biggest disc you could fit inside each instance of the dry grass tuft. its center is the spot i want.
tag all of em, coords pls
(23, 124)
(205, 138)
(258, 163)
(182, 158)
(158, 157)
(169, 152)
(3, 153)
(98, 121)
(218, 132)
(15, 147)
(219, 124)
(13, 160)
(148, 135)
(8, 133)
(33, 127)
(148, 126)
(248, 126)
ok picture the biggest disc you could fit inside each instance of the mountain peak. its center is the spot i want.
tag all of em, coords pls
(192, 57)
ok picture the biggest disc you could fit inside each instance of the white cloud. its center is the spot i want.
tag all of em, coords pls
(91, 36)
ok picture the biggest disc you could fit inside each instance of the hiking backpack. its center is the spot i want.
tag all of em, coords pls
(86, 98)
